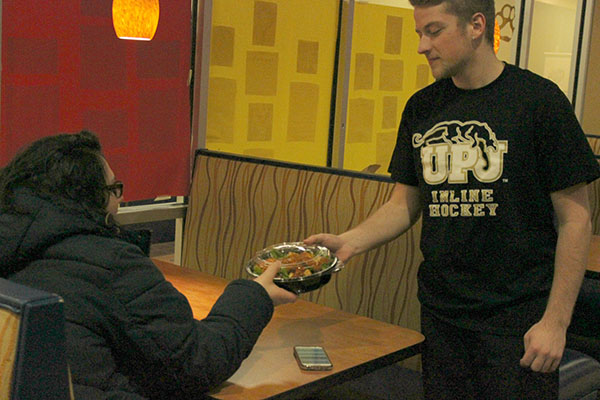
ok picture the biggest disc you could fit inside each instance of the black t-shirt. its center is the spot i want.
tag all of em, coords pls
(486, 161)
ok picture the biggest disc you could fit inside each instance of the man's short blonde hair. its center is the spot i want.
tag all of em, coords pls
(464, 10)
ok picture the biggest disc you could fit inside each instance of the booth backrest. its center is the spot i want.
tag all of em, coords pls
(32, 344)
(239, 205)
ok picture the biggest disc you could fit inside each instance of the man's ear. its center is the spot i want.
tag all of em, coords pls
(478, 24)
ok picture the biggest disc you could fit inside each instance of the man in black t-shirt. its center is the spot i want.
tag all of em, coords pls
(494, 160)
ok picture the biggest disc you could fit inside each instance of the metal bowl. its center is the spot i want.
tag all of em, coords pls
(299, 284)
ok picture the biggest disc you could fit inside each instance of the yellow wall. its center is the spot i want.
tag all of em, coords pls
(271, 69)
(385, 71)
(270, 78)
(271, 72)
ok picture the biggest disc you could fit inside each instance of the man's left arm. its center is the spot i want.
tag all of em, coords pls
(545, 341)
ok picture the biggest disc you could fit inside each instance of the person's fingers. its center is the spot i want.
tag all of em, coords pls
(287, 296)
(525, 362)
(313, 239)
(272, 270)
(538, 362)
(544, 364)
(552, 362)
(528, 357)
(555, 365)
(547, 367)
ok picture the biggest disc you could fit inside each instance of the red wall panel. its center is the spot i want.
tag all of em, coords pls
(64, 69)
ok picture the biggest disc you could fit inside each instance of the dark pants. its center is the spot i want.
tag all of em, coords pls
(463, 364)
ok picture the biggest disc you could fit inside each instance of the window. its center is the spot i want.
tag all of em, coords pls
(385, 70)
(269, 90)
(324, 82)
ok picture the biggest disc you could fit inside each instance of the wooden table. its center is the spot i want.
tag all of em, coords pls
(356, 345)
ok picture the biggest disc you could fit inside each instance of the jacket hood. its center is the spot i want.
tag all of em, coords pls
(24, 237)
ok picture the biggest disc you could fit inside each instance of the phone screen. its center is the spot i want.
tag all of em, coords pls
(312, 358)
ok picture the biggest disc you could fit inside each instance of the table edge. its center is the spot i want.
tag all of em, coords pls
(344, 375)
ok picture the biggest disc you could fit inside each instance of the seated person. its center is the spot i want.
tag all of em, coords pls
(130, 334)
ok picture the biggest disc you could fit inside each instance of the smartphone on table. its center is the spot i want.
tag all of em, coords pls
(312, 358)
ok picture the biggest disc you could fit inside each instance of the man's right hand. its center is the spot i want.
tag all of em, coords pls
(335, 243)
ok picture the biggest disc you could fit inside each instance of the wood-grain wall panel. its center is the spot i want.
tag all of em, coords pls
(237, 207)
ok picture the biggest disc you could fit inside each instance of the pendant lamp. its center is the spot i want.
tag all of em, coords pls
(496, 37)
(135, 19)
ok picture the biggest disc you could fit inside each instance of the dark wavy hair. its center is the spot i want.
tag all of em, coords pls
(464, 10)
(64, 168)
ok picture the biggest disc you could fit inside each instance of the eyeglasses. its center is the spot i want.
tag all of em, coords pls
(116, 188)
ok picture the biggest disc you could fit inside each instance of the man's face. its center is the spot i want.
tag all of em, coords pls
(443, 40)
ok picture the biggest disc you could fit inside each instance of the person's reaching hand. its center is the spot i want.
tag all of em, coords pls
(277, 294)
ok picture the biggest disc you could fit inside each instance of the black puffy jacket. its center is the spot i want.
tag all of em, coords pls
(130, 334)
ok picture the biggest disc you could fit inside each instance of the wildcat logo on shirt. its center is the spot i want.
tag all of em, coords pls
(449, 151)
(452, 149)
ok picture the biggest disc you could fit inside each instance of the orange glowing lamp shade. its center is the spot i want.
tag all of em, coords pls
(496, 37)
(135, 19)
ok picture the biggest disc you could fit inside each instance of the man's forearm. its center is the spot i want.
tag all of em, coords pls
(391, 220)
(570, 264)
(572, 210)
(384, 225)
